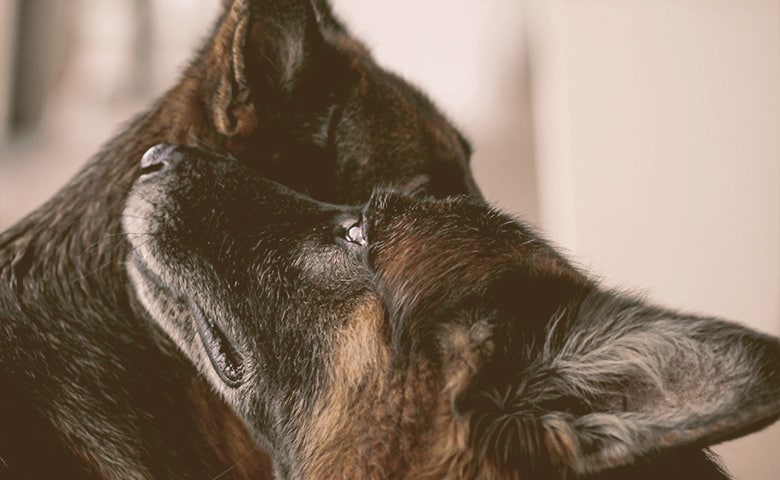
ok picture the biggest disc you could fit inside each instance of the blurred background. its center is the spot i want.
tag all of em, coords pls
(643, 137)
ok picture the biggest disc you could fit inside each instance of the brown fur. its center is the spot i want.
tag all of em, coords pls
(98, 389)
(229, 437)
(358, 365)
(423, 338)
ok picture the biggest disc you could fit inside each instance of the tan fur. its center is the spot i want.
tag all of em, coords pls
(233, 444)
(448, 454)
(360, 361)
(351, 434)
(233, 113)
(368, 424)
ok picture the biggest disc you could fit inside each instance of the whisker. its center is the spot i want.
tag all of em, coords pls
(99, 242)
(97, 270)
(235, 464)
(100, 268)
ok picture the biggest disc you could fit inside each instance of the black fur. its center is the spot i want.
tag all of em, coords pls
(485, 333)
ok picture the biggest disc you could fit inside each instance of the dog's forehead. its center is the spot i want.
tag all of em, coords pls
(438, 241)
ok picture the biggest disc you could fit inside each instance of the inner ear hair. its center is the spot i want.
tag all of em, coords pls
(232, 112)
(617, 380)
(267, 41)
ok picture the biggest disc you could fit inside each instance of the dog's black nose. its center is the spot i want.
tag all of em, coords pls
(158, 158)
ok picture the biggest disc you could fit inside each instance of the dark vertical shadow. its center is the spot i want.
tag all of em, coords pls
(41, 45)
(143, 40)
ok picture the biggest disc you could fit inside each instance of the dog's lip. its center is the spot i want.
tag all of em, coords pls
(225, 358)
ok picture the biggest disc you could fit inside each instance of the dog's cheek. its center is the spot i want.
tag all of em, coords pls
(175, 318)
(331, 270)
(172, 316)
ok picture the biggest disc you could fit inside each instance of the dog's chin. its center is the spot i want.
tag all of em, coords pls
(175, 312)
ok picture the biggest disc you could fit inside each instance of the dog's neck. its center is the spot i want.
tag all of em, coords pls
(382, 414)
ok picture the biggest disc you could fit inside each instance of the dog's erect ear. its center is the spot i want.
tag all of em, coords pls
(617, 381)
(259, 50)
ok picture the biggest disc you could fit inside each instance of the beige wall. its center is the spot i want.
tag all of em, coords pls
(659, 156)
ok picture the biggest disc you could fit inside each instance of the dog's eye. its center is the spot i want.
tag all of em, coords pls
(350, 230)
(355, 234)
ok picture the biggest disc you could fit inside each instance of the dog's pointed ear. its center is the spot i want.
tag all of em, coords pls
(258, 52)
(617, 381)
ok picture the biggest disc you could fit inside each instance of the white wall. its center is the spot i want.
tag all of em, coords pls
(659, 156)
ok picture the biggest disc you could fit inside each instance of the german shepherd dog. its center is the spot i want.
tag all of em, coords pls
(428, 339)
(91, 388)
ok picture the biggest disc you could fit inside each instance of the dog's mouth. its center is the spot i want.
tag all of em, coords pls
(222, 352)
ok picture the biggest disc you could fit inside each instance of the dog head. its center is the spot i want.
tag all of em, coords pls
(246, 276)
(283, 86)
(427, 338)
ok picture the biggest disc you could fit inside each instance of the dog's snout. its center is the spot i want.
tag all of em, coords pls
(159, 158)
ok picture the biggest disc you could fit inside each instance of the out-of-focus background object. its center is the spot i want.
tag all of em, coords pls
(641, 136)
